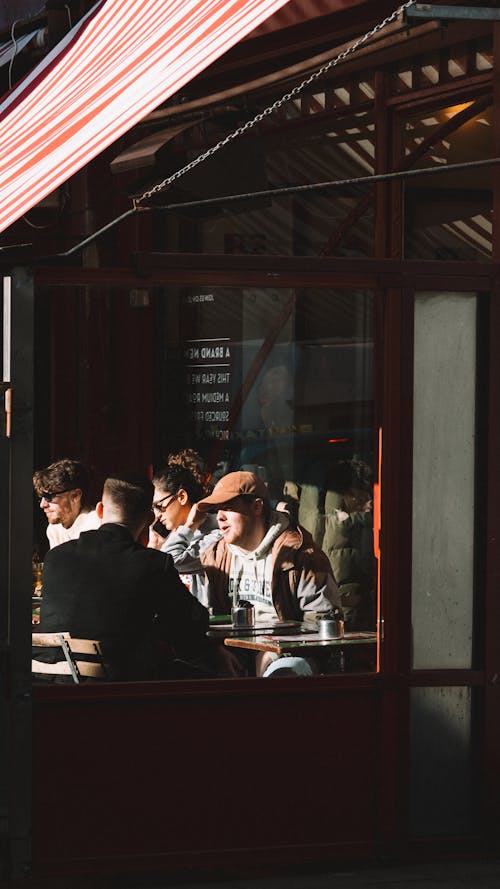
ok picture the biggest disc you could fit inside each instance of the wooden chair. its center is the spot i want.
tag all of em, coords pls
(92, 666)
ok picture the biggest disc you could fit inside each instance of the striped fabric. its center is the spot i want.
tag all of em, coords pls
(117, 64)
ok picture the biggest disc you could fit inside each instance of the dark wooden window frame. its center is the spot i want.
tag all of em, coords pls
(395, 281)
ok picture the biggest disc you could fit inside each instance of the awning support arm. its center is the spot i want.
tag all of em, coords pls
(448, 13)
(275, 192)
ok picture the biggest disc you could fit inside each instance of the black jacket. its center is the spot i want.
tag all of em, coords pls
(105, 586)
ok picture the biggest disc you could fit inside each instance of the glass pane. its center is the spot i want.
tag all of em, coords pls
(276, 380)
(280, 383)
(443, 479)
(293, 149)
(449, 215)
(443, 775)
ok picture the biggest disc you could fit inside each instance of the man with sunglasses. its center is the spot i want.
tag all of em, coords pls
(62, 490)
(107, 586)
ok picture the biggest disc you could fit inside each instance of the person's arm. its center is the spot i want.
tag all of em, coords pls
(188, 541)
(155, 540)
(317, 590)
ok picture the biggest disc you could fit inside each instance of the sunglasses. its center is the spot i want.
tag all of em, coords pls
(49, 495)
(158, 507)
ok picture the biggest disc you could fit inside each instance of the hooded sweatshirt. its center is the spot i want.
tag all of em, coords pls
(251, 573)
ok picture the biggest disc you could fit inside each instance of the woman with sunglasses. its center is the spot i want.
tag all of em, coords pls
(177, 487)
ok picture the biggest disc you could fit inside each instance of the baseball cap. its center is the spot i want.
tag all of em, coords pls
(232, 485)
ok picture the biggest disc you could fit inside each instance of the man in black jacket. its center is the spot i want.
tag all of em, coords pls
(105, 585)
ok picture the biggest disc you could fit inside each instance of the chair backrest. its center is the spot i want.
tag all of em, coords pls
(83, 658)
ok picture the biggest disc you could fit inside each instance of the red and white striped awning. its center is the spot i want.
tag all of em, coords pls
(119, 63)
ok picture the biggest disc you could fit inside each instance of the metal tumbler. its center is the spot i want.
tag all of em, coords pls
(331, 628)
(243, 614)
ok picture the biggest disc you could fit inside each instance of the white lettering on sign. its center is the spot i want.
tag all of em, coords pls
(216, 416)
(200, 298)
(208, 381)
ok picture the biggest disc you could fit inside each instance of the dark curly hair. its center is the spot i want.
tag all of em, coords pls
(347, 474)
(185, 469)
(63, 475)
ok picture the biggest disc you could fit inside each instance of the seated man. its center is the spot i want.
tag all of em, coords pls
(62, 488)
(106, 586)
(260, 557)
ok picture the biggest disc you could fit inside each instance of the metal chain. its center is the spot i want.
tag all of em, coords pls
(160, 186)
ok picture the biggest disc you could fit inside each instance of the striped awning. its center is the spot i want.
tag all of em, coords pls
(116, 65)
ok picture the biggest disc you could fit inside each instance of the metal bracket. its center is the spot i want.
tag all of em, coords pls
(449, 13)
(5, 410)
(69, 659)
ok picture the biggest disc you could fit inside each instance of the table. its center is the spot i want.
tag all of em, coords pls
(287, 643)
(307, 642)
(222, 631)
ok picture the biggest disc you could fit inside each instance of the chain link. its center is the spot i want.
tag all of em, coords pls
(160, 186)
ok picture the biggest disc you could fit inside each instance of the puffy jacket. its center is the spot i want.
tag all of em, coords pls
(302, 576)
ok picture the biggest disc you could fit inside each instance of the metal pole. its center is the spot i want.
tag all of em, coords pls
(276, 192)
(16, 519)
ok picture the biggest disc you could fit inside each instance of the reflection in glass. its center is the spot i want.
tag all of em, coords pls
(291, 150)
(449, 215)
(280, 382)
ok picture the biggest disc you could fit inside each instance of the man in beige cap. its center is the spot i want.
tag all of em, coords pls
(258, 556)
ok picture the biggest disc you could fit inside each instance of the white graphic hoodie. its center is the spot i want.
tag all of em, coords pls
(251, 572)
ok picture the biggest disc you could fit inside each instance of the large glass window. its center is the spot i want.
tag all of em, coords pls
(280, 382)
(276, 381)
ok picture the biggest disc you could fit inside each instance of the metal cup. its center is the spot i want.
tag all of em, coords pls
(331, 628)
(243, 615)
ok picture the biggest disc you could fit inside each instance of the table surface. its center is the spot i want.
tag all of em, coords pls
(223, 630)
(283, 643)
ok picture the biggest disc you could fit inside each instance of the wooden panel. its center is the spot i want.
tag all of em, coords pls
(151, 775)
